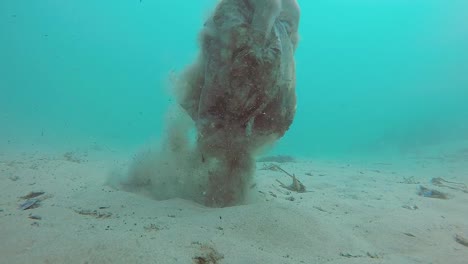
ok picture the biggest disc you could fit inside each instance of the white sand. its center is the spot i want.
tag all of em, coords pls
(353, 214)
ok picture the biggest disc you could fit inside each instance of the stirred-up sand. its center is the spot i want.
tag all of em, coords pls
(353, 212)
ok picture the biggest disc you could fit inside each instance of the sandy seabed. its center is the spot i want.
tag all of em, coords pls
(353, 212)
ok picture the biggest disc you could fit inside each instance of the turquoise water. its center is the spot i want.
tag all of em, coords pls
(373, 76)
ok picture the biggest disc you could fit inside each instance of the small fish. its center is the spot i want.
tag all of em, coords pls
(32, 195)
(35, 217)
(29, 204)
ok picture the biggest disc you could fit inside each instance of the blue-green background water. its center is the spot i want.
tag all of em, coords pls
(373, 76)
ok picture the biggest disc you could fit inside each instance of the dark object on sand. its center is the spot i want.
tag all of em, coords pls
(410, 207)
(431, 193)
(29, 204)
(449, 184)
(461, 240)
(241, 91)
(409, 180)
(208, 255)
(269, 166)
(35, 217)
(93, 213)
(277, 159)
(32, 195)
(32, 200)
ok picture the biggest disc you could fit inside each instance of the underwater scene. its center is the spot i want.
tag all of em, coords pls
(234, 131)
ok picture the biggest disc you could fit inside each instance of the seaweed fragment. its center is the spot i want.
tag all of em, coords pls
(431, 193)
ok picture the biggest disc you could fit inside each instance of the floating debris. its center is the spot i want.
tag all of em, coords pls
(431, 193)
